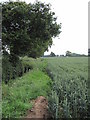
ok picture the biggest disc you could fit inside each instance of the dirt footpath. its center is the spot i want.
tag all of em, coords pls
(40, 109)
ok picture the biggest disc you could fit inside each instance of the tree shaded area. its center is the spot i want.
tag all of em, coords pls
(28, 29)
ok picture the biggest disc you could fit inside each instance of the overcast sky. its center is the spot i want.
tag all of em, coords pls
(73, 14)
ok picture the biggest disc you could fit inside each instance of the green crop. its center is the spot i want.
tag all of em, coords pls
(69, 97)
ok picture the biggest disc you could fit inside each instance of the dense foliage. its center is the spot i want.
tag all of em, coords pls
(11, 72)
(69, 97)
(28, 28)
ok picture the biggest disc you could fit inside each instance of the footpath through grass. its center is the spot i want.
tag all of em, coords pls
(68, 88)
(18, 93)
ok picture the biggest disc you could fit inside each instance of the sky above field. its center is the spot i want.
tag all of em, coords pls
(73, 14)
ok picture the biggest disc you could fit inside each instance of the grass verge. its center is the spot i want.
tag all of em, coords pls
(18, 93)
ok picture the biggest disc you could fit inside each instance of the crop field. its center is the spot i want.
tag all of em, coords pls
(69, 97)
(62, 80)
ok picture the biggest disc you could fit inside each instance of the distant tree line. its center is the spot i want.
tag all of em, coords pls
(68, 54)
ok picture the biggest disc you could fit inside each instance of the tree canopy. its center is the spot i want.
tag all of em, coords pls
(52, 54)
(68, 53)
(28, 29)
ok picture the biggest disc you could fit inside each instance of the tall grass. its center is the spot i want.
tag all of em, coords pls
(19, 93)
(69, 97)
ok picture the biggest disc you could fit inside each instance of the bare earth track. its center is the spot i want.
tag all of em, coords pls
(40, 109)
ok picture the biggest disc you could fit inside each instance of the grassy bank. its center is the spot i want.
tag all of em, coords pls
(18, 93)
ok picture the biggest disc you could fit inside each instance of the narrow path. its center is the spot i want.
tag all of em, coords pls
(40, 109)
